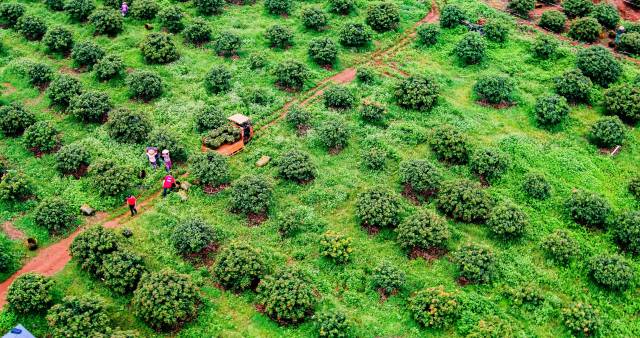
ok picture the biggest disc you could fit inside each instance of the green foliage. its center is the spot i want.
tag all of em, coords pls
(298, 116)
(497, 30)
(507, 221)
(55, 5)
(634, 187)
(338, 97)
(58, 39)
(588, 209)
(577, 8)
(553, 20)
(365, 75)
(79, 10)
(169, 140)
(581, 319)
(239, 266)
(421, 176)
(14, 119)
(226, 134)
(450, 145)
(144, 85)
(573, 86)
(10, 12)
(279, 36)
(383, 16)
(227, 43)
(417, 92)
(109, 67)
(495, 89)
(257, 61)
(111, 179)
(598, 64)
(31, 27)
(41, 136)
(83, 316)
(90, 106)
(372, 112)
(323, 51)
(62, 89)
(630, 43)
(170, 17)
(251, 195)
(15, 186)
(166, 300)
(377, 207)
(342, 7)
(521, 7)
(128, 126)
(158, 48)
(291, 74)
(197, 32)
(626, 231)
(606, 14)
(145, 9)
(465, 201)
(477, 264)
(294, 220)
(428, 34)
(612, 272)
(536, 186)
(107, 21)
(287, 295)
(489, 163)
(218, 80)
(314, 18)
(387, 278)
(452, 15)
(434, 307)
(585, 30)
(623, 101)
(55, 214)
(354, 35)
(210, 168)
(471, 49)
(121, 271)
(193, 235)
(86, 53)
(608, 132)
(296, 165)
(91, 247)
(209, 117)
(278, 7)
(423, 230)
(39, 74)
(336, 247)
(550, 110)
(332, 324)
(71, 159)
(30, 293)
(209, 7)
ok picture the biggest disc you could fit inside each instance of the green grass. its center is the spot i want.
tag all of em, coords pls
(564, 156)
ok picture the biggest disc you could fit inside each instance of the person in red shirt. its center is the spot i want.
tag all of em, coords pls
(168, 183)
(131, 202)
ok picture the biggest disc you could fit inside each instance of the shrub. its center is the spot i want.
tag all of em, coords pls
(550, 110)
(323, 51)
(634, 187)
(465, 201)
(144, 85)
(553, 21)
(332, 324)
(536, 186)
(279, 36)
(417, 92)
(287, 296)
(298, 116)
(338, 97)
(110, 178)
(588, 208)
(239, 266)
(383, 16)
(365, 75)
(489, 164)
(291, 74)
(121, 271)
(192, 236)
(63, 89)
(55, 5)
(387, 278)
(128, 126)
(577, 8)
(7, 257)
(314, 18)
(31, 27)
(626, 231)
(428, 34)
(106, 21)
(581, 319)
(91, 247)
(598, 64)
(623, 101)
(294, 220)
(228, 44)
(423, 230)
(167, 139)
(476, 263)
(606, 14)
(58, 39)
(342, 7)
(14, 119)
(372, 112)
(573, 86)
(495, 89)
(145, 9)
(158, 48)
(296, 165)
(165, 300)
(434, 307)
(278, 7)
(210, 168)
(450, 145)
(209, 7)
(90, 106)
(72, 159)
(521, 7)
(108, 67)
(198, 32)
(630, 43)
(374, 158)
(15, 186)
(41, 136)
(30, 293)
(171, 18)
(78, 317)
(10, 12)
(39, 74)
(611, 271)
(257, 61)
(608, 132)
(544, 47)
(496, 30)
(86, 53)
(560, 246)
(209, 117)
(421, 176)
(55, 214)
(251, 195)
(354, 35)
(336, 246)
(79, 10)
(333, 134)
(376, 207)
(471, 49)
(218, 80)
(507, 221)
(585, 30)
(452, 15)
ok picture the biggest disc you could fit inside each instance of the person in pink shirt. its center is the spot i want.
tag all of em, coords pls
(124, 9)
(167, 184)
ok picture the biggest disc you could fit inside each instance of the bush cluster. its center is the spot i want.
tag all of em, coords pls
(41, 136)
(577, 8)
(170, 18)
(634, 187)
(314, 18)
(354, 35)
(197, 32)
(521, 7)
(536, 185)
(294, 220)
(218, 80)
(417, 92)
(608, 132)
(31, 27)
(560, 246)
(423, 230)
(111, 179)
(553, 20)
(545, 47)
(90, 248)
(62, 89)
(332, 324)
(336, 247)
(39, 74)
(14, 119)
(109, 67)
(296, 165)
(342, 7)
(365, 75)
(210, 168)
(279, 36)
(251, 195)
(55, 5)
(464, 200)
(145, 9)
(79, 10)
(611, 272)
(434, 307)
(598, 64)
(376, 207)
(374, 158)
(338, 97)
(144, 85)
(84, 316)
(585, 30)
(581, 319)
(421, 176)
(388, 278)
(192, 236)
(383, 16)
(58, 39)
(323, 51)
(623, 101)
(90, 106)
(574, 86)
(507, 221)
(550, 110)
(55, 214)
(428, 34)
(30, 293)
(450, 145)
(71, 159)
(626, 231)
(158, 48)
(128, 126)
(239, 266)
(372, 112)
(489, 163)
(227, 43)
(495, 89)
(497, 30)
(588, 209)
(477, 264)
(291, 74)
(287, 295)
(121, 271)
(606, 14)
(333, 134)
(471, 49)
(298, 116)
(107, 21)
(169, 140)
(209, 7)
(630, 43)
(451, 16)
(209, 117)
(10, 13)
(15, 186)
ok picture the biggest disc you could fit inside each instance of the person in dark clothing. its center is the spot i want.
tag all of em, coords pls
(131, 202)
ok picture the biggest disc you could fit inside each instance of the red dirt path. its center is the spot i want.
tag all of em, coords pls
(627, 12)
(11, 231)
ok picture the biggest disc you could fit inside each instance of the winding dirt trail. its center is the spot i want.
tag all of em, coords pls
(12, 232)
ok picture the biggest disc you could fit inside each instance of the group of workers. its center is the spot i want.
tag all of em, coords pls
(168, 182)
